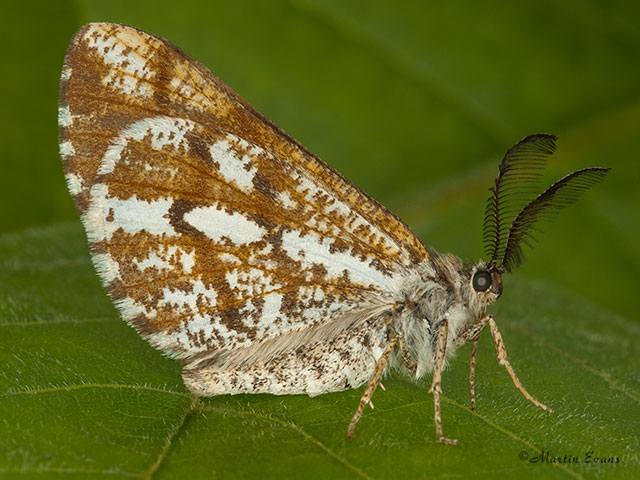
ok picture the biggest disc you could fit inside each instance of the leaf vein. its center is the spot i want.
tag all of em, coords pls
(61, 321)
(49, 469)
(297, 429)
(70, 388)
(497, 427)
(153, 468)
(511, 435)
(580, 363)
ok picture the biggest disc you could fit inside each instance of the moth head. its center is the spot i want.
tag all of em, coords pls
(485, 282)
(515, 210)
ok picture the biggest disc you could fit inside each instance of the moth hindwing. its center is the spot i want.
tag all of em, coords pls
(226, 244)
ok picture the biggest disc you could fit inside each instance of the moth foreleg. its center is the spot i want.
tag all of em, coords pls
(472, 372)
(437, 379)
(473, 332)
(501, 353)
(374, 381)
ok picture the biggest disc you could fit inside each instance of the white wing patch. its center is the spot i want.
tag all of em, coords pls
(311, 250)
(188, 301)
(128, 65)
(163, 131)
(235, 168)
(67, 150)
(216, 224)
(108, 214)
(64, 117)
(170, 258)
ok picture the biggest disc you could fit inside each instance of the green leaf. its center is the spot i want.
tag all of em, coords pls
(82, 394)
(416, 103)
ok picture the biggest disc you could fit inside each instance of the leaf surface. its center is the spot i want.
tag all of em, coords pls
(81, 393)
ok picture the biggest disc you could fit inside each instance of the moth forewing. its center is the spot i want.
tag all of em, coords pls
(227, 244)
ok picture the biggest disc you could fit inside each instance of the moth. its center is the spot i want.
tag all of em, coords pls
(228, 245)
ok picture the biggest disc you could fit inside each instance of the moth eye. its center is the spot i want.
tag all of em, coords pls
(481, 281)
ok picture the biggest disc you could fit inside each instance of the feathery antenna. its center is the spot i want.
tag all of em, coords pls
(514, 210)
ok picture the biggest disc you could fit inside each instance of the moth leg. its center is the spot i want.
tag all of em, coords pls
(437, 378)
(371, 386)
(407, 359)
(472, 373)
(501, 353)
(472, 332)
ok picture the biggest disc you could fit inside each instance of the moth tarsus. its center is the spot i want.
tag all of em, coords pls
(501, 355)
(472, 372)
(436, 389)
(228, 245)
(374, 381)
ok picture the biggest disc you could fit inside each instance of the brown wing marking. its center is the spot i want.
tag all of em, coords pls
(195, 204)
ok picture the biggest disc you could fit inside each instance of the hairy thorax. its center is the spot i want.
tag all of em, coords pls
(442, 291)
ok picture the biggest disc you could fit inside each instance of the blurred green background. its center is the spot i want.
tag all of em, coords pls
(415, 102)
